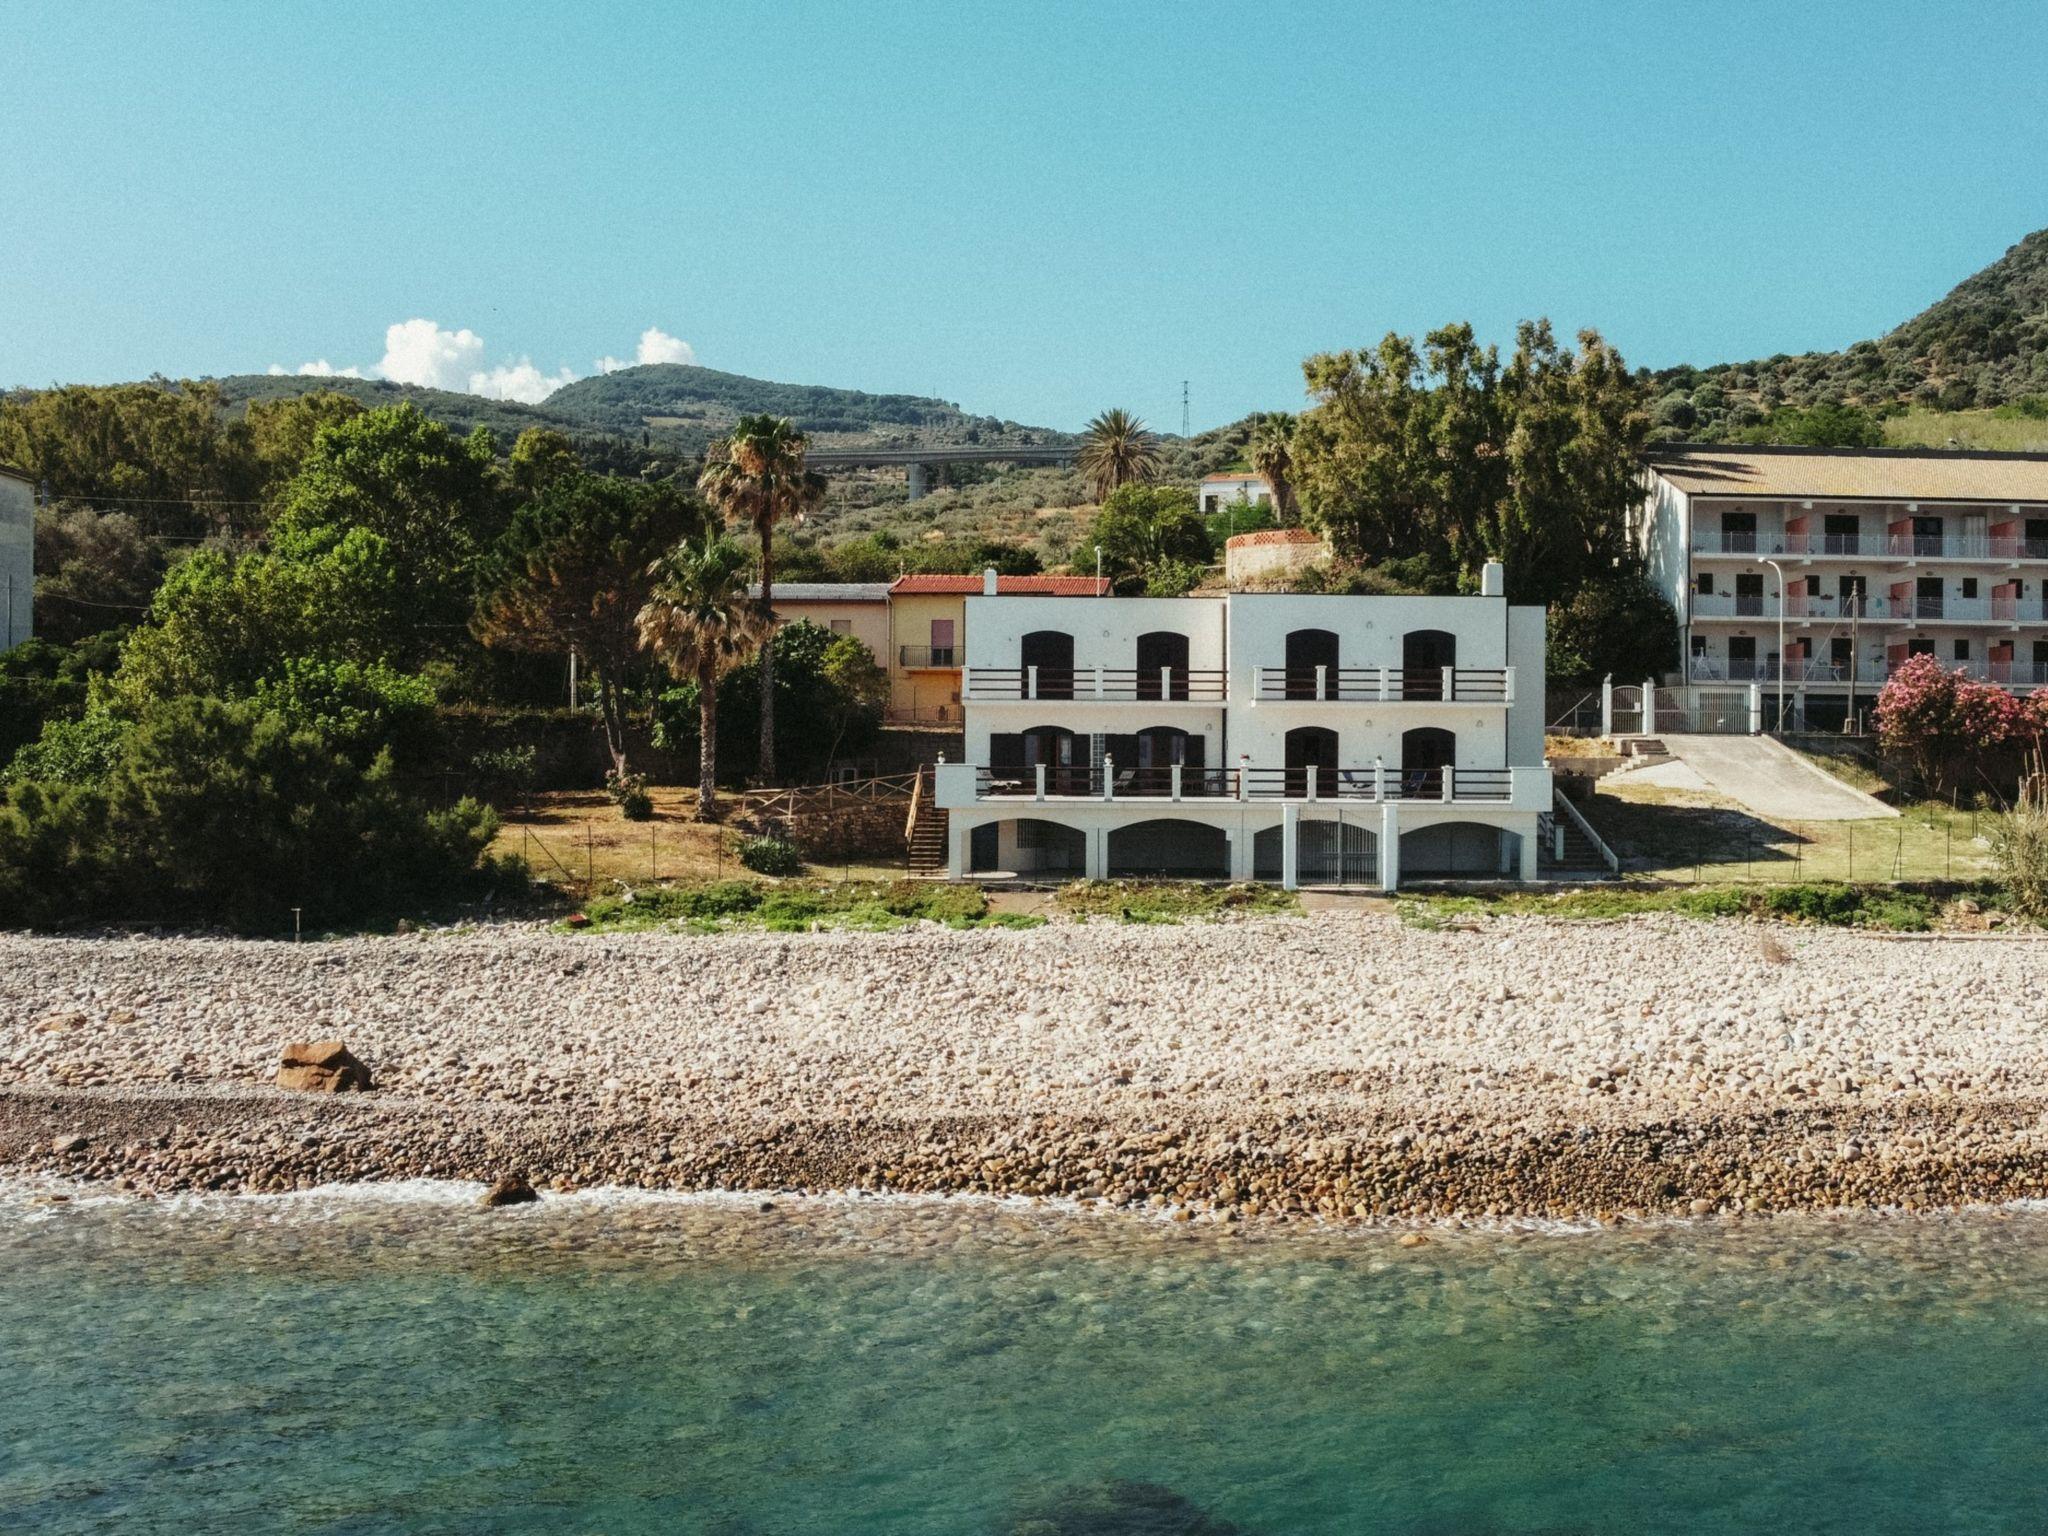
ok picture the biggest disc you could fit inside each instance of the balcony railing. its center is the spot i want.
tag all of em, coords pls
(1712, 669)
(927, 656)
(1387, 685)
(1119, 684)
(1378, 783)
(1877, 544)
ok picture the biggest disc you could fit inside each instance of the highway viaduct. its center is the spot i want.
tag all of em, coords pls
(917, 463)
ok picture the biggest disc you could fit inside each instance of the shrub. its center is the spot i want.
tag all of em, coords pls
(2019, 844)
(506, 773)
(81, 751)
(1946, 728)
(629, 793)
(770, 856)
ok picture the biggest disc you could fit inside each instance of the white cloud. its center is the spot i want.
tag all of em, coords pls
(656, 346)
(420, 352)
(320, 368)
(518, 381)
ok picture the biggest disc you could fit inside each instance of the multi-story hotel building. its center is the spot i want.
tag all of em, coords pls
(1289, 737)
(1813, 573)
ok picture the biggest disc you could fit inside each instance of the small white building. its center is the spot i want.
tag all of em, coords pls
(1303, 739)
(17, 557)
(1219, 491)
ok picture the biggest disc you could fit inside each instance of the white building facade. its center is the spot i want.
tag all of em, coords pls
(1813, 574)
(1302, 739)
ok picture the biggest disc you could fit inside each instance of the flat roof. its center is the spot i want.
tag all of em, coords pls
(17, 474)
(1850, 474)
(826, 591)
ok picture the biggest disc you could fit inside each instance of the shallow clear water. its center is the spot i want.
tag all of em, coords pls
(400, 1362)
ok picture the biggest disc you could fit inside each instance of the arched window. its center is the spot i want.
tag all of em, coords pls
(1424, 655)
(1426, 753)
(1176, 850)
(1162, 665)
(1308, 649)
(1052, 652)
(1311, 746)
(1014, 758)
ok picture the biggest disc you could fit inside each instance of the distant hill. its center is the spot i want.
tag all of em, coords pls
(463, 412)
(1984, 345)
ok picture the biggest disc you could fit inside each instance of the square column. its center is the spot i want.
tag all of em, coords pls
(1390, 845)
(1097, 866)
(958, 842)
(1290, 846)
(1532, 848)
(1240, 840)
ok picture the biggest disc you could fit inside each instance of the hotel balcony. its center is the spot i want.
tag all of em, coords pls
(1712, 669)
(928, 658)
(1385, 685)
(1119, 685)
(1873, 545)
(961, 784)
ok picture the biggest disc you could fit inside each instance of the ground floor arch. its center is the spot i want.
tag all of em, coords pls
(1464, 850)
(1325, 853)
(1028, 845)
(1168, 849)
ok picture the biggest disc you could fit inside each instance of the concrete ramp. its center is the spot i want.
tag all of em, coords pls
(1769, 779)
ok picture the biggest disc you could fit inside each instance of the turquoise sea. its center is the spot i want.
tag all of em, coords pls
(396, 1360)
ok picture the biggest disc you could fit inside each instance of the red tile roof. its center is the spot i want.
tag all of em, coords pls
(1272, 536)
(1006, 586)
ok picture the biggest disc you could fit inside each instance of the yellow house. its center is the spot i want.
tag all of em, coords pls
(856, 608)
(928, 635)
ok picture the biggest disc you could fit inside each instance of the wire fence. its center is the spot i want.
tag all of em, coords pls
(1922, 845)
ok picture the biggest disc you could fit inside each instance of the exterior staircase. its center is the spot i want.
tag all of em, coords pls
(927, 828)
(1567, 853)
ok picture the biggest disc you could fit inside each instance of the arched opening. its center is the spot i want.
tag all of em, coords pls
(1162, 665)
(1052, 652)
(1311, 746)
(1308, 649)
(1159, 750)
(1325, 853)
(1424, 655)
(1014, 758)
(1427, 753)
(1169, 850)
(1028, 846)
(1460, 850)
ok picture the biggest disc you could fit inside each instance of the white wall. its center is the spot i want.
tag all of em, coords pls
(1105, 629)
(17, 560)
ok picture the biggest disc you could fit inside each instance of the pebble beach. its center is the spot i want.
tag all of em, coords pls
(1342, 1066)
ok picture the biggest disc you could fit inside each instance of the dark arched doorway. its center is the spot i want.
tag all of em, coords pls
(1171, 850)
(1162, 665)
(1029, 846)
(1308, 649)
(1427, 753)
(1051, 651)
(1424, 655)
(1463, 849)
(1311, 746)
(1014, 758)
(1161, 749)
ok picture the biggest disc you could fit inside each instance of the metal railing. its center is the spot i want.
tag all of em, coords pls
(1120, 684)
(1386, 685)
(927, 656)
(1379, 783)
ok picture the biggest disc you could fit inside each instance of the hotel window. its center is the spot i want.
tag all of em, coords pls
(1699, 645)
(1962, 650)
(842, 626)
(1969, 586)
(1705, 585)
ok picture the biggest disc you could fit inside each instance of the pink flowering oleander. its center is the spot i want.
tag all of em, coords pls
(1937, 718)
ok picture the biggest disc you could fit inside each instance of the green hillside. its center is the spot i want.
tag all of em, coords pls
(1981, 348)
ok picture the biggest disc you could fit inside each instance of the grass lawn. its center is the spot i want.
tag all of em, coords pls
(1699, 835)
(794, 906)
(1826, 903)
(577, 838)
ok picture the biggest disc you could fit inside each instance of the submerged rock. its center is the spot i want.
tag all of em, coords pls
(322, 1066)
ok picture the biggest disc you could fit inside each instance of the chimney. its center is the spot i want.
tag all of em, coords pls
(988, 582)
(1493, 579)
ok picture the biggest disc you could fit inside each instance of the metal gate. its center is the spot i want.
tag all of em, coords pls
(1336, 853)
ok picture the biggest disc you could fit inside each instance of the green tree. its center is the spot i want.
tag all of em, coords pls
(160, 449)
(700, 623)
(572, 573)
(426, 493)
(1618, 625)
(1145, 531)
(1271, 452)
(756, 476)
(282, 431)
(830, 680)
(542, 457)
(93, 570)
(1117, 450)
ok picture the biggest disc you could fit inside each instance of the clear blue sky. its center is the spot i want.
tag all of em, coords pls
(1036, 211)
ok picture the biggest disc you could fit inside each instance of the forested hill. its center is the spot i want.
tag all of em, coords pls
(1984, 344)
(671, 408)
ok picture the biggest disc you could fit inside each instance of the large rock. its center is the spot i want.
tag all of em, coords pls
(322, 1066)
(510, 1190)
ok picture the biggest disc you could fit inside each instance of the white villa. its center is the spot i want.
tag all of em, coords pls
(1813, 573)
(1297, 738)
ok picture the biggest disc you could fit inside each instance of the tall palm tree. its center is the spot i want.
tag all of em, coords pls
(1271, 451)
(1116, 450)
(757, 476)
(700, 624)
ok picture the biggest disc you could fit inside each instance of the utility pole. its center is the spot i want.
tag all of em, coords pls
(1855, 647)
(1183, 407)
(1781, 643)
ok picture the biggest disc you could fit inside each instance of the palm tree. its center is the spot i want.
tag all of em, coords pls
(700, 624)
(757, 476)
(1116, 450)
(1271, 452)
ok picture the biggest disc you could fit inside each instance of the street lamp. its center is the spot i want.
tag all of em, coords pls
(1781, 642)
